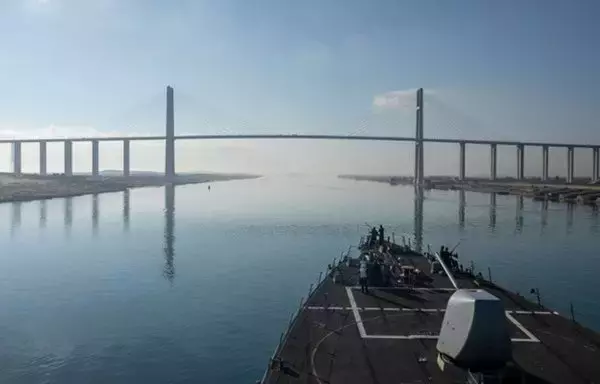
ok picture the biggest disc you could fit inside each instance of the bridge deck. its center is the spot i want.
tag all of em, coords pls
(301, 137)
(389, 336)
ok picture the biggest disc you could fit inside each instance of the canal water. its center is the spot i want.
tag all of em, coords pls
(187, 285)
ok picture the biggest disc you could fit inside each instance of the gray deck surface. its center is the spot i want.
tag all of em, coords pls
(398, 345)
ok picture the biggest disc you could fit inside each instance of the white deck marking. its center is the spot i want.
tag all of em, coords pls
(398, 309)
(357, 318)
(531, 312)
(386, 309)
(522, 328)
(408, 289)
(521, 340)
(363, 333)
(402, 337)
(434, 337)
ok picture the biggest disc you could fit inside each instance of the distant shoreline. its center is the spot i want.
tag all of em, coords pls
(30, 187)
(580, 191)
(444, 181)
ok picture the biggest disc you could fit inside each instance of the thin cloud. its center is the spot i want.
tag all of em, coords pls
(400, 100)
(395, 100)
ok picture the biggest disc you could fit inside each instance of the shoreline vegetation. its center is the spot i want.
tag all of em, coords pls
(29, 187)
(582, 190)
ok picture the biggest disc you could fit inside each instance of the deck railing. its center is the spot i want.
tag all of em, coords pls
(295, 314)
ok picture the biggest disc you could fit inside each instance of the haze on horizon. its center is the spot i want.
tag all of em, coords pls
(491, 70)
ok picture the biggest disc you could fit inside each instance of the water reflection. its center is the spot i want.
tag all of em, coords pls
(570, 210)
(497, 206)
(519, 215)
(169, 247)
(43, 213)
(95, 213)
(68, 214)
(492, 224)
(418, 218)
(169, 218)
(544, 214)
(15, 217)
(169, 210)
(461, 208)
(126, 209)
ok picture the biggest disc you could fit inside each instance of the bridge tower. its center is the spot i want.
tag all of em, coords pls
(170, 137)
(419, 140)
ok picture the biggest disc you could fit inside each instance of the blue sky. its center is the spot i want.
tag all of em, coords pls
(506, 70)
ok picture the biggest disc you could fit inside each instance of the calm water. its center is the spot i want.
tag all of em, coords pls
(186, 285)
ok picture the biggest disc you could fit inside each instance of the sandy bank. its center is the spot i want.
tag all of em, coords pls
(36, 187)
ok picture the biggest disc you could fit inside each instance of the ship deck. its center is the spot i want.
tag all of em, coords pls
(344, 336)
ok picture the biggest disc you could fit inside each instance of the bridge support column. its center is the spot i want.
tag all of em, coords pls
(545, 163)
(170, 136)
(16, 157)
(462, 165)
(68, 158)
(126, 146)
(570, 165)
(43, 158)
(95, 158)
(596, 165)
(419, 140)
(493, 161)
(520, 161)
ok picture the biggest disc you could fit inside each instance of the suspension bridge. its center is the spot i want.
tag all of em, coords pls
(419, 139)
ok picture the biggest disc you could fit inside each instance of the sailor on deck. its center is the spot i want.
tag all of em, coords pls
(363, 276)
(373, 237)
